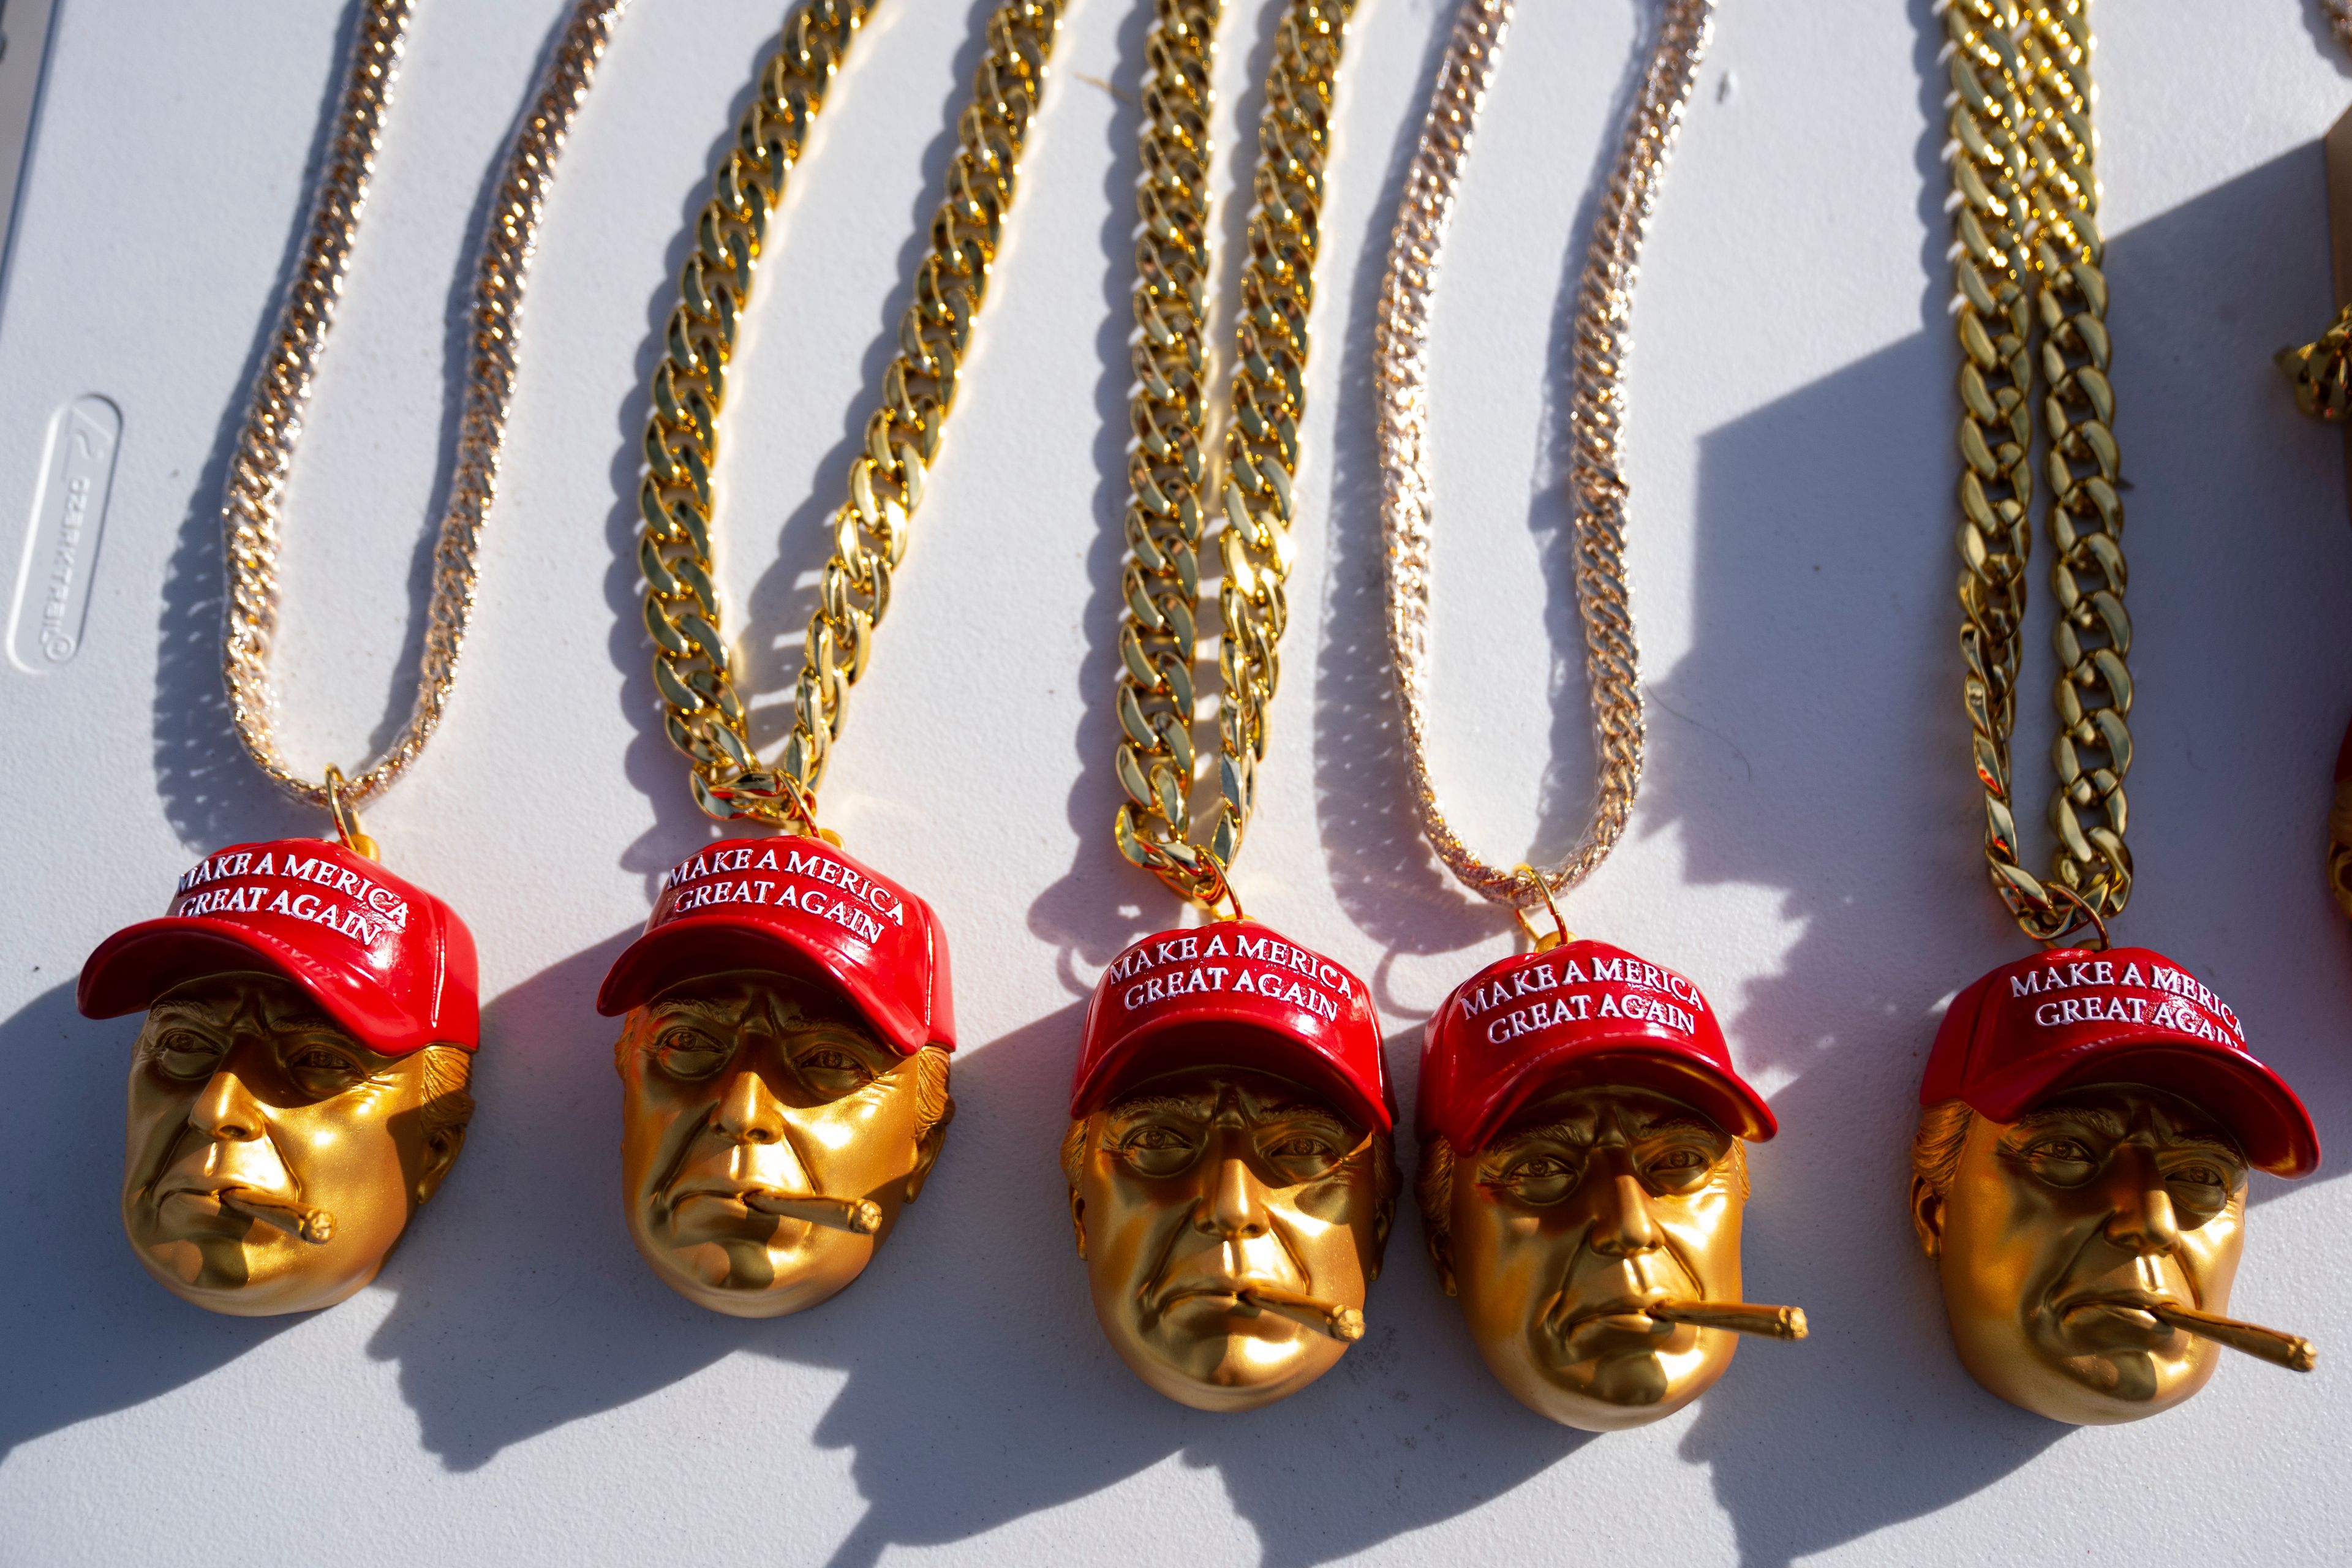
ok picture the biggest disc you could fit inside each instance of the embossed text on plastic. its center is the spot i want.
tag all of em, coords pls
(53, 578)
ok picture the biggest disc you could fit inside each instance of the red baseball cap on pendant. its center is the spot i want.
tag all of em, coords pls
(2072, 1018)
(798, 906)
(387, 960)
(1233, 994)
(1581, 1012)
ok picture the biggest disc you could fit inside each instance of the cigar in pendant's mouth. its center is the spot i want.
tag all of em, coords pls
(858, 1216)
(2290, 1351)
(1345, 1324)
(1740, 1317)
(316, 1226)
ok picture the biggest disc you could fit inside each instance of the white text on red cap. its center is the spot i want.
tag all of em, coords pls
(719, 863)
(1185, 958)
(2101, 971)
(1578, 1007)
(383, 909)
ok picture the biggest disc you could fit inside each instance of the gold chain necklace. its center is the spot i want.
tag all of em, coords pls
(301, 965)
(253, 508)
(788, 1011)
(2028, 250)
(1200, 1043)
(2090, 1045)
(1596, 420)
(1577, 1033)
(706, 716)
(1171, 488)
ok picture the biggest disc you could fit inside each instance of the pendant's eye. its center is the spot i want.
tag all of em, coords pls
(186, 1054)
(1158, 1149)
(1541, 1178)
(2200, 1189)
(684, 1052)
(1303, 1153)
(322, 1070)
(2063, 1162)
(1679, 1168)
(832, 1070)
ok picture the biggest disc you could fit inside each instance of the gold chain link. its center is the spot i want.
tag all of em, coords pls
(706, 719)
(2028, 253)
(2321, 370)
(1169, 414)
(1596, 424)
(253, 509)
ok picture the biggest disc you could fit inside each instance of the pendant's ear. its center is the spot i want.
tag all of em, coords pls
(927, 1155)
(934, 1109)
(1384, 1216)
(1927, 1216)
(441, 1148)
(1074, 1148)
(1434, 1190)
(1441, 1253)
(447, 1074)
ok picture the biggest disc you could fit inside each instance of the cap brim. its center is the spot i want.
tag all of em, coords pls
(136, 967)
(703, 945)
(1171, 1044)
(2256, 1105)
(1723, 1097)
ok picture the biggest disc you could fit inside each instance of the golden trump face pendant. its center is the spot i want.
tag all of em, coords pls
(2079, 1179)
(784, 1062)
(299, 1089)
(1231, 1170)
(1582, 1182)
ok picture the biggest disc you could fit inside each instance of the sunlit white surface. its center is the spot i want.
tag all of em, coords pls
(517, 1387)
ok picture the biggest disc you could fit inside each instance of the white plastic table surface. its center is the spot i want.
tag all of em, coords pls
(516, 1388)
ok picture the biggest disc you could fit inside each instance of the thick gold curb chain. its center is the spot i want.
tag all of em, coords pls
(1596, 423)
(2028, 252)
(252, 510)
(706, 719)
(1169, 414)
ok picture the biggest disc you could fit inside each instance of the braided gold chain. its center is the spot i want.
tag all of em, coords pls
(253, 508)
(1596, 421)
(706, 719)
(2027, 258)
(1168, 475)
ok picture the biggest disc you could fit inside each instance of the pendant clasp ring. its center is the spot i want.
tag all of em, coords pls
(1544, 941)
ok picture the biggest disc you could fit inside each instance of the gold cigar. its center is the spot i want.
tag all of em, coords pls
(313, 1225)
(1740, 1317)
(2288, 1351)
(859, 1216)
(1343, 1324)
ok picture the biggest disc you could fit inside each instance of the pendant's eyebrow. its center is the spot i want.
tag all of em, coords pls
(1672, 1121)
(1296, 1108)
(701, 1007)
(1577, 1134)
(2216, 1142)
(2099, 1119)
(296, 1013)
(1198, 1107)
